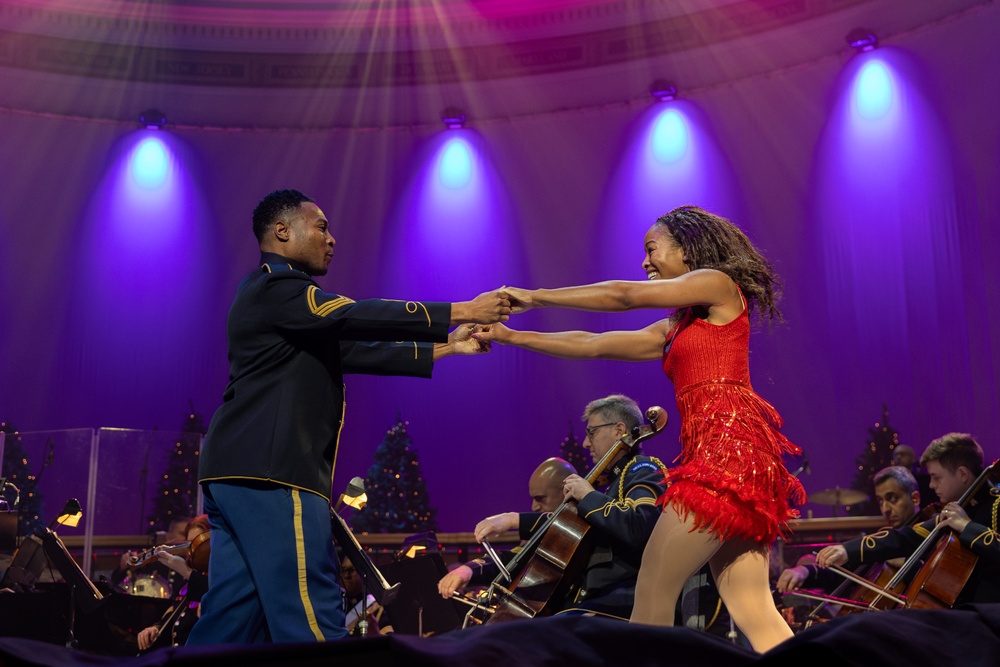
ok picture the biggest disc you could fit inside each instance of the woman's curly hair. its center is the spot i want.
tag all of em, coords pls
(709, 241)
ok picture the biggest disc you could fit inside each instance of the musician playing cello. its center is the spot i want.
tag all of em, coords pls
(954, 462)
(622, 515)
(545, 486)
(896, 491)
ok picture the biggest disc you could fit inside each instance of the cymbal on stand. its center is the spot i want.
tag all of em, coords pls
(837, 496)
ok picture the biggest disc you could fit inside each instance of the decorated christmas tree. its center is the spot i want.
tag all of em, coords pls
(397, 493)
(573, 451)
(177, 496)
(17, 472)
(877, 454)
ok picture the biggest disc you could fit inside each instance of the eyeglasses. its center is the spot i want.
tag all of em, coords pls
(593, 429)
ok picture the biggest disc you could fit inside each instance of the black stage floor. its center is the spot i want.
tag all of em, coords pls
(965, 637)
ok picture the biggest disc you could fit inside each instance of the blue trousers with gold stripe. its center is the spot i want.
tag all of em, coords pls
(273, 571)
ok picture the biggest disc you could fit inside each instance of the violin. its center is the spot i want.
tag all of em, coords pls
(195, 553)
(556, 555)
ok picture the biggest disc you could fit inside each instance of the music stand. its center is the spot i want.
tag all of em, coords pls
(87, 595)
(420, 609)
(8, 530)
(26, 567)
(371, 579)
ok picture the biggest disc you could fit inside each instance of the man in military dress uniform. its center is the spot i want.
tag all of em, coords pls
(954, 462)
(267, 463)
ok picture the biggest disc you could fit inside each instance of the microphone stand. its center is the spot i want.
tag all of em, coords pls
(363, 619)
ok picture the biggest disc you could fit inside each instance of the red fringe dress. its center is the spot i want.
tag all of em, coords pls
(731, 477)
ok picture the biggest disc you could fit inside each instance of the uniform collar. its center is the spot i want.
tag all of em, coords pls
(275, 258)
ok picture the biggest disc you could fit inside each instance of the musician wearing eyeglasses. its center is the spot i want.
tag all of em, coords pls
(955, 465)
(622, 514)
(356, 604)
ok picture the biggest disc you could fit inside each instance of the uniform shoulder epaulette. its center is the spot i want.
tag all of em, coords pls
(274, 267)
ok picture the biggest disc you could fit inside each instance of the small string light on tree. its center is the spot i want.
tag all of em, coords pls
(878, 454)
(16, 471)
(397, 493)
(572, 450)
(178, 494)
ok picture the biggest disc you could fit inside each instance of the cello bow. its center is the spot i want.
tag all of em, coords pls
(931, 540)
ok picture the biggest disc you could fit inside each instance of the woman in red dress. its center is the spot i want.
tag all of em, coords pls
(729, 497)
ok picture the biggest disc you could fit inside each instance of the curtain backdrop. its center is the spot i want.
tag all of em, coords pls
(113, 299)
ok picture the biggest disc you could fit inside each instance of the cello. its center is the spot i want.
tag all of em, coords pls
(945, 572)
(556, 555)
(859, 597)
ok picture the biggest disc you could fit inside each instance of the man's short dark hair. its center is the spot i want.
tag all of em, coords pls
(952, 450)
(907, 482)
(272, 206)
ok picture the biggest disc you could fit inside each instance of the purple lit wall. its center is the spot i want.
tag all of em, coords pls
(870, 181)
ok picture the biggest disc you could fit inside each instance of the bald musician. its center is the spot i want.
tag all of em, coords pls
(546, 489)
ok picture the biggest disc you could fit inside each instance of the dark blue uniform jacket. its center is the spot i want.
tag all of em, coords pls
(290, 344)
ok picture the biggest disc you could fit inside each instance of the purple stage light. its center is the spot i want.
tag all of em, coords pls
(874, 90)
(669, 138)
(662, 90)
(862, 39)
(152, 119)
(455, 164)
(150, 163)
(453, 118)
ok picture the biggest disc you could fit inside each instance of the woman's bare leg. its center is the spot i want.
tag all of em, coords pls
(741, 574)
(672, 556)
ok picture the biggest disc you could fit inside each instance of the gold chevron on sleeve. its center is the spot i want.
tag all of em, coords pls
(324, 309)
(627, 505)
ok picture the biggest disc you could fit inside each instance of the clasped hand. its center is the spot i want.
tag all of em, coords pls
(487, 308)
